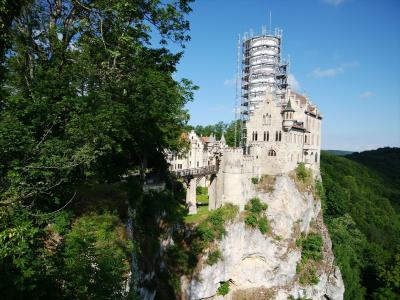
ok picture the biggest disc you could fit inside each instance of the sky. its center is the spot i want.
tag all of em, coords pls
(344, 54)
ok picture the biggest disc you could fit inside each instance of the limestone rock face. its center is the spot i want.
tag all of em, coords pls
(264, 266)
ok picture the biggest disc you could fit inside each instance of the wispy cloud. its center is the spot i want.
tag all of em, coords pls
(230, 82)
(332, 72)
(294, 83)
(333, 2)
(366, 95)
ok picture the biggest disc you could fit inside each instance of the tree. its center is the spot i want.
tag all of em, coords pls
(88, 97)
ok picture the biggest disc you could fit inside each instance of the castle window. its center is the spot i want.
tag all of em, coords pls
(271, 153)
(256, 136)
(316, 157)
(265, 136)
(276, 136)
(280, 135)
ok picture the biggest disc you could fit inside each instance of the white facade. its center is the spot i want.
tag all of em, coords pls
(200, 154)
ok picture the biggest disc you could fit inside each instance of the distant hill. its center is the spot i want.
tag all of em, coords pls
(385, 161)
(362, 211)
(339, 152)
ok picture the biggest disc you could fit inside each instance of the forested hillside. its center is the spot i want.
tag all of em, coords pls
(359, 210)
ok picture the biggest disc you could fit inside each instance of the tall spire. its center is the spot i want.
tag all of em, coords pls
(223, 138)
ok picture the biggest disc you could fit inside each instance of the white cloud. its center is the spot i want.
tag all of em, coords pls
(332, 72)
(230, 82)
(294, 83)
(366, 94)
(333, 2)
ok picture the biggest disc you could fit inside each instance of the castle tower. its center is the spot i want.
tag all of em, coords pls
(280, 128)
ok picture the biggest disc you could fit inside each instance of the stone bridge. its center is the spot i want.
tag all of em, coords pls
(192, 177)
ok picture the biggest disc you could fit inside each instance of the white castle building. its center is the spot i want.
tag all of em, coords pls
(280, 129)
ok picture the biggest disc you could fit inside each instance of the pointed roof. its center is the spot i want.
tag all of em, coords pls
(223, 138)
(288, 107)
(211, 138)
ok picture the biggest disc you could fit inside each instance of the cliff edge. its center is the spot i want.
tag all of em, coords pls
(284, 262)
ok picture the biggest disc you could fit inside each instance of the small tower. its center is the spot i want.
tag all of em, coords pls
(222, 140)
(288, 119)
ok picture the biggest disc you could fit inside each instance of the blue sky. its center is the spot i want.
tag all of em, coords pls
(345, 55)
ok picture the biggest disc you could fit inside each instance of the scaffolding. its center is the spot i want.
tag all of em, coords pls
(261, 72)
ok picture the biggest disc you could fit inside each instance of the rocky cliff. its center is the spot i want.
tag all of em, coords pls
(268, 266)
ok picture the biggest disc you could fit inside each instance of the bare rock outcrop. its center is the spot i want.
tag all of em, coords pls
(259, 266)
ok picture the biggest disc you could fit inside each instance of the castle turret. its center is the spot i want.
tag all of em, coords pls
(288, 116)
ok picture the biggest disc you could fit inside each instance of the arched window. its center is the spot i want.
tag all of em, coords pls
(267, 136)
(271, 153)
(280, 135)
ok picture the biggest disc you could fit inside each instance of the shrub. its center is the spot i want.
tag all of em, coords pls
(214, 257)
(312, 247)
(251, 220)
(309, 276)
(214, 226)
(254, 180)
(263, 225)
(223, 288)
(302, 173)
(256, 206)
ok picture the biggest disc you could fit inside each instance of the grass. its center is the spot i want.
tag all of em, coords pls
(266, 184)
(202, 214)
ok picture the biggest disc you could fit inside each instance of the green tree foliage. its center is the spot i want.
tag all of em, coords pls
(360, 212)
(86, 97)
(95, 258)
(229, 130)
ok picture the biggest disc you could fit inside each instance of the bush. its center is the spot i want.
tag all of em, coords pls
(312, 247)
(223, 288)
(251, 220)
(302, 173)
(254, 180)
(263, 225)
(214, 257)
(256, 206)
(214, 226)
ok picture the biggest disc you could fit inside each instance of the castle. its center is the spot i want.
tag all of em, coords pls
(279, 129)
